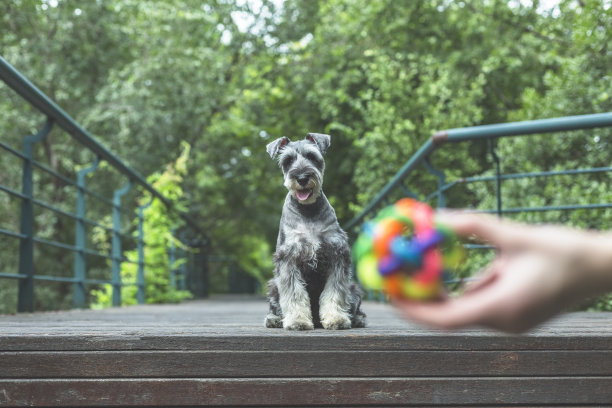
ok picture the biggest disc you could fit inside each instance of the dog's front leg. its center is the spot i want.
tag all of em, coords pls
(293, 298)
(334, 305)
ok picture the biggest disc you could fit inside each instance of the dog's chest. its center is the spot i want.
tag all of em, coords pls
(314, 232)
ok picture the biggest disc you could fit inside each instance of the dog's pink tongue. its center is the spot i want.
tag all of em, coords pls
(303, 194)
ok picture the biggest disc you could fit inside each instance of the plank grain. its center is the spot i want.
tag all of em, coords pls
(309, 392)
(216, 352)
(240, 364)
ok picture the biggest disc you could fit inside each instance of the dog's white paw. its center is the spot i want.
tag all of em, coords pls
(336, 322)
(297, 324)
(273, 321)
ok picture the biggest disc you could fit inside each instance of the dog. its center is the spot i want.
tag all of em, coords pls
(312, 285)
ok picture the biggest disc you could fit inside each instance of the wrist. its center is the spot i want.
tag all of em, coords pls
(596, 270)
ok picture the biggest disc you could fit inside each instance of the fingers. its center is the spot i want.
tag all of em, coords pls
(449, 314)
(475, 306)
(483, 279)
(514, 295)
(486, 228)
(489, 229)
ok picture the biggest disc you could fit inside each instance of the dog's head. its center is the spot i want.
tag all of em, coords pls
(302, 164)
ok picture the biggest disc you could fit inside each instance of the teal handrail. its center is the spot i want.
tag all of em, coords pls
(487, 132)
(56, 117)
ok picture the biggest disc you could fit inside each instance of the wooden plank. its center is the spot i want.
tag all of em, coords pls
(144, 364)
(311, 392)
(279, 340)
(214, 325)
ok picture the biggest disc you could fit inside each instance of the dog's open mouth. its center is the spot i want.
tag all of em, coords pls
(303, 195)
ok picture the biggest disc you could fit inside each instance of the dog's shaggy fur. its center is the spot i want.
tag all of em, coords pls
(312, 285)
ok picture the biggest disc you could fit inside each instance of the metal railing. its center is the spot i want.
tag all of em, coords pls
(28, 239)
(422, 160)
(419, 169)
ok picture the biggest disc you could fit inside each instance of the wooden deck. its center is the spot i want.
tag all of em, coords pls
(217, 353)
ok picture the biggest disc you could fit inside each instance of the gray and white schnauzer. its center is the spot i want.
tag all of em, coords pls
(312, 285)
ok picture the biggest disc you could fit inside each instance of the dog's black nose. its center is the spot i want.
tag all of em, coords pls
(303, 180)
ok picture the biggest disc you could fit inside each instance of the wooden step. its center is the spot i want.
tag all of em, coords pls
(217, 353)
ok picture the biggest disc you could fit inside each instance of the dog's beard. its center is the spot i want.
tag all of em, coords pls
(307, 194)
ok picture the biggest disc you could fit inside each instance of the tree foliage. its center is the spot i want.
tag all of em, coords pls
(227, 77)
(158, 225)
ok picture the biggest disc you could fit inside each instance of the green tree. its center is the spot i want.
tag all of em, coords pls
(158, 226)
(228, 77)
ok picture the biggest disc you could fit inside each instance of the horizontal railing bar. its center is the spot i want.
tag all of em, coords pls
(60, 176)
(98, 196)
(126, 284)
(73, 280)
(528, 127)
(13, 275)
(548, 208)
(153, 265)
(593, 170)
(88, 251)
(55, 278)
(60, 211)
(13, 151)
(54, 173)
(65, 279)
(97, 282)
(12, 192)
(44, 104)
(74, 217)
(54, 209)
(59, 279)
(478, 246)
(56, 244)
(96, 224)
(12, 234)
(76, 186)
(516, 176)
(74, 248)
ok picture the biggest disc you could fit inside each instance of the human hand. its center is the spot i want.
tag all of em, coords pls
(538, 272)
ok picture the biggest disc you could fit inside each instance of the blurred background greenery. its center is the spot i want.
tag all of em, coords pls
(219, 80)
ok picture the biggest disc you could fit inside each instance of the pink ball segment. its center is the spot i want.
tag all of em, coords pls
(405, 253)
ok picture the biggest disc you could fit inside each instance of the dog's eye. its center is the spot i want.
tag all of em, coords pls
(313, 158)
(287, 161)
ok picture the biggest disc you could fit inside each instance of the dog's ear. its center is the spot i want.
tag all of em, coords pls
(273, 148)
(321, 140)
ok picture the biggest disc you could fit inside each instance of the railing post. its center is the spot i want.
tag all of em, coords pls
(25, 300)
(183, 255)
(182, 283)
(172, 260)
(497, 175)
(140, 277)
(79, 238)
(116, 244)
(441, 181)
(190, 270)
(200, 281)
